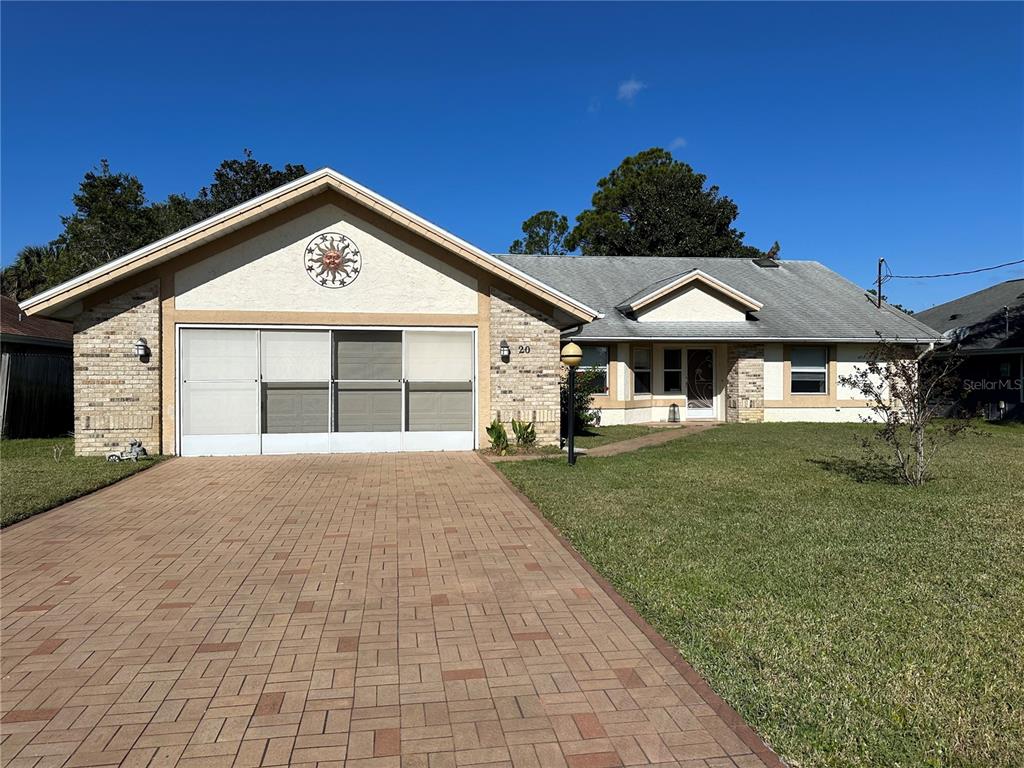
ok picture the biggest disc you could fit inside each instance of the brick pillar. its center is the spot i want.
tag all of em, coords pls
(117, 395)
(744, 384)
(526, 387)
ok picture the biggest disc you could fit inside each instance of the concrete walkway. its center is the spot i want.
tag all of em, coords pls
(368, 611)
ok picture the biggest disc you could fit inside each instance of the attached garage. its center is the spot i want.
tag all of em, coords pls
(247, 391)
(317, 318)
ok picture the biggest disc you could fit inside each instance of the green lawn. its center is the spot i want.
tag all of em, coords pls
(31, 481)
(852, 623)
(595, 436)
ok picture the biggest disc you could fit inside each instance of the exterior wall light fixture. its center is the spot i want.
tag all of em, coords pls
(673, 413)
(141, 349)
(505, 351)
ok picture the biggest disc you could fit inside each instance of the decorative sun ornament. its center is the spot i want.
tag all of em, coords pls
(332, 260)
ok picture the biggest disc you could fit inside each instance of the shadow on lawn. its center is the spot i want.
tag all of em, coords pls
(864, 470)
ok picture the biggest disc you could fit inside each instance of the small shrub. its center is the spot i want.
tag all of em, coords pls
(588, 383)
(499, 437)
(525, 432)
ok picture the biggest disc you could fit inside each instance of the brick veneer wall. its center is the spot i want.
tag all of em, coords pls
(117, 396)
(526, 387)
(744, 384)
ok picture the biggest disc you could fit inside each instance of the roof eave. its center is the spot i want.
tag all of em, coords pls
(308, 185)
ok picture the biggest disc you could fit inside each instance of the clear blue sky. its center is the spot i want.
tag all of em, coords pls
(845, 131)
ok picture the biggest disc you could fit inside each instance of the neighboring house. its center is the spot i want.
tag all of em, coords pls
(321, 317)
(987, 327)
(35, 374)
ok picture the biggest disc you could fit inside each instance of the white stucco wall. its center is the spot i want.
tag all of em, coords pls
(773, 372)
(693, 303)
(849, 358)
(833, 415)
(267, 273)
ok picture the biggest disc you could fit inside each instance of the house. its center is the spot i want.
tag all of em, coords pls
(321, 317)
(987, 328)
(35, 374)
(722, 339)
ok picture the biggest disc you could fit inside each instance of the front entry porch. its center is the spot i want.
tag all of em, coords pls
(667, 382)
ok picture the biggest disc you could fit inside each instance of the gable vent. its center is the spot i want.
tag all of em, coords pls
(767, 263)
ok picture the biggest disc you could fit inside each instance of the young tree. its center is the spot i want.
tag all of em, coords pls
(906, 393)
(655, 205)
(545, 233)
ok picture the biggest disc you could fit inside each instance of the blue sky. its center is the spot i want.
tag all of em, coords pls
(845, 131)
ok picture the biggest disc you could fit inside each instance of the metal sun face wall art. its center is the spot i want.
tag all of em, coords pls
(332, 260)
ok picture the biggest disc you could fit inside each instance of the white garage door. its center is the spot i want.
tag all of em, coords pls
(250, 391)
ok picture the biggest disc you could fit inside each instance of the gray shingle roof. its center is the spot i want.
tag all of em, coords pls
(985, 325)
(802, 299)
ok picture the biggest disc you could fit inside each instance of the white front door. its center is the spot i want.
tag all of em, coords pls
(700, 383)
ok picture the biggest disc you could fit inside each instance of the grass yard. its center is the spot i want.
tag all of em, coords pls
(851, 622)
(31, 481)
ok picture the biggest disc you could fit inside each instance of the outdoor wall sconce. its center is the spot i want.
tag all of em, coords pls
(673, 413)
(505, 350)
(141, 349)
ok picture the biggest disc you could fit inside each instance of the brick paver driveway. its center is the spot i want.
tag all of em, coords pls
(385, 610)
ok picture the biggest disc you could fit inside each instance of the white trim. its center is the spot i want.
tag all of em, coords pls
(688, 277)
(220, 445)
(294, 442)
(313, 180)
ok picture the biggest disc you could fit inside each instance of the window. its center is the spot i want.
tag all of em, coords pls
(673, 371)
(642, 371)
(809, 371)
(596, 359)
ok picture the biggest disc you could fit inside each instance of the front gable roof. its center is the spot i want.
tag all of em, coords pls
(665, 287)
(801, 300)
(311, 184)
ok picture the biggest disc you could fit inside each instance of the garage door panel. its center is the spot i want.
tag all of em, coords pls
(219, 408)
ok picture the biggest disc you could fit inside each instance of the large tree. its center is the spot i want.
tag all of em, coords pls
(545, 233)
(655, 205)
(112, 217)
(238, 181)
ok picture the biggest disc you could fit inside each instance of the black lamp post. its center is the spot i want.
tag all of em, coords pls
(572, 356)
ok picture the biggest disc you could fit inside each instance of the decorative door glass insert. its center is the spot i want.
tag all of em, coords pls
(700, 379)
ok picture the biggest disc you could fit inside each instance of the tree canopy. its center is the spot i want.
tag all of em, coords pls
(545, 233)
(650, 205)
(112, 217)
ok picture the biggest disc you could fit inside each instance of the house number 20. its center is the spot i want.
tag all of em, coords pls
(524, 349)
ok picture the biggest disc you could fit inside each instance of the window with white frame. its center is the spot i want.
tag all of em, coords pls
(809, 371)
(596, 359)
(642, 371)
(672, 371)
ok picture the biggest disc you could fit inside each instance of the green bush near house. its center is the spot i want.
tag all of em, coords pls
(32, 480)
(851, 621)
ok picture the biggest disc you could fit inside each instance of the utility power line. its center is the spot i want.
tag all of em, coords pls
(891, 276)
